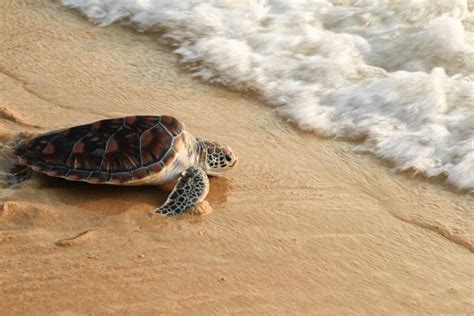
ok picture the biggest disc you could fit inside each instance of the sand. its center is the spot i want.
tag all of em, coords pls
(302, 225)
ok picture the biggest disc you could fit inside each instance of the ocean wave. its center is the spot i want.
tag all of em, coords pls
(396, 76)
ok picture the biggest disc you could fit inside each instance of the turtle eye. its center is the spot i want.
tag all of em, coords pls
(228, 158)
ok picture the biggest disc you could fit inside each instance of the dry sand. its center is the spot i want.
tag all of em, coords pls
(301, 226)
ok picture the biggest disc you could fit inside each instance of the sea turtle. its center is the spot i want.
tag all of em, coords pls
(132, 150)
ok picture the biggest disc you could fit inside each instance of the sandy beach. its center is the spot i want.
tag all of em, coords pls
(301, 226)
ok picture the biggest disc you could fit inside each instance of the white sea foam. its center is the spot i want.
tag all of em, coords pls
(396, 75)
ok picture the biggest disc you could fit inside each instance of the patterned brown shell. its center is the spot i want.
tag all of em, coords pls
(112, 151)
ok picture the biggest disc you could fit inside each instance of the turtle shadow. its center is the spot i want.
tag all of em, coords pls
(114, 199)
(108, 199)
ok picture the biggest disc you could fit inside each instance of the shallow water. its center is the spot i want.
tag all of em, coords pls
(398, 76)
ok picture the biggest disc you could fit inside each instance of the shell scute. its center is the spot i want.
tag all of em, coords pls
(120, 177)
(169, 158)
(106, 127)
(172, 125)
(99, 177)
(57, 171)
(40, 166)
(141, 123)
(155, 143)
(122, 152)
(155, 168)
(178, 144)
(140, 173)
(77, 175)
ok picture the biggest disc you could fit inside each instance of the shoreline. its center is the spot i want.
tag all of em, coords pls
(362, 238)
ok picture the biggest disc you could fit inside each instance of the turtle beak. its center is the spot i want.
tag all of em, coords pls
(235, 162)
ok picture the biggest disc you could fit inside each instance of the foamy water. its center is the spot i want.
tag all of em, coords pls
(397, 76)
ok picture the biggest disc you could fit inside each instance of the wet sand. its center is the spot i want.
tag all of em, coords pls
(301, 226)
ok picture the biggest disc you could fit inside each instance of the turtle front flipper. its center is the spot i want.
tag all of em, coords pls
(191, 188)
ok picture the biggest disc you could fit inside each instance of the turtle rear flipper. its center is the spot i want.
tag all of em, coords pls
(191, 188)
(18, 174)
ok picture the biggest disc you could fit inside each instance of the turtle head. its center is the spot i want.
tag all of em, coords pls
(216, 158)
